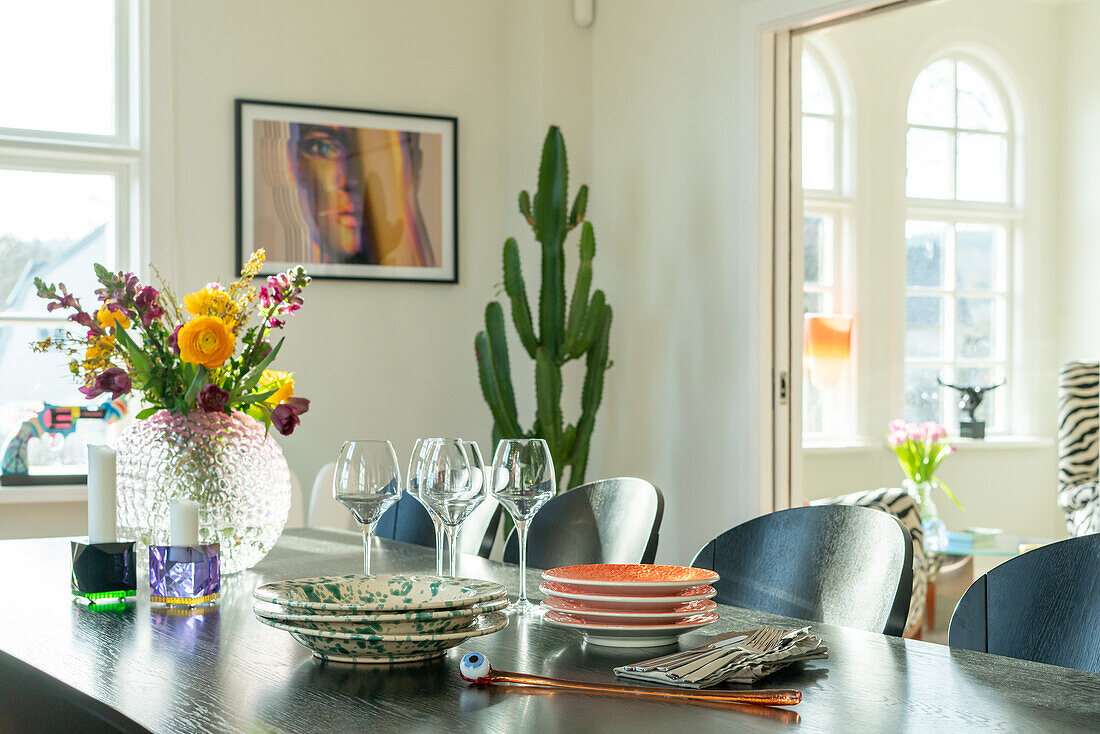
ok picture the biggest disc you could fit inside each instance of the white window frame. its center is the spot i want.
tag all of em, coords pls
(952, 212)
(122, 156)
(836, 203)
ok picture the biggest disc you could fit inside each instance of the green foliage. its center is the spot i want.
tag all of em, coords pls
(563, 336)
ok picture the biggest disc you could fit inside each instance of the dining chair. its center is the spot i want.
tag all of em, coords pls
(296, 518)
(899, 503)
(479, 531)
(1042, 606)
(840, 564)
(607, 521)
(324, 510)
(407, 520)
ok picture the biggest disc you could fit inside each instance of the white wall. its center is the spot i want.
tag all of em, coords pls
(1080, 157)
(680, 397)
(1011, 485)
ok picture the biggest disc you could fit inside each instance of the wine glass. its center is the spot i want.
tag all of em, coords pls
(367, 481)
(523, 480)
(412, 486)
(450, 479)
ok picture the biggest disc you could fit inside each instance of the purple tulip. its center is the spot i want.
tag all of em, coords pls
(114, 380)
(285, 416)
(212, 399)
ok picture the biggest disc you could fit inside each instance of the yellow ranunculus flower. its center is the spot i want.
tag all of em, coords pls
(281, 382)
(206, 340)
(211, 302)
(108, 318)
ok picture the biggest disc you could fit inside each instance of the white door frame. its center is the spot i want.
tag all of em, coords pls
(769, 31)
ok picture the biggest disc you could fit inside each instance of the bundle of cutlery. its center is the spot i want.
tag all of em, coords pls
(736, 657)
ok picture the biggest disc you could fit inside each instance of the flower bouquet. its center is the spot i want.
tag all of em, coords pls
(203, 367)
(920, 449)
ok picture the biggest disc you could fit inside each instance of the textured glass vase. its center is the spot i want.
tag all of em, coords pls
(227, 463)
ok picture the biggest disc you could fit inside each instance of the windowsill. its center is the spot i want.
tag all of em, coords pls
(991, 443)
(845, 445)
(43, 494)
(1003, 442)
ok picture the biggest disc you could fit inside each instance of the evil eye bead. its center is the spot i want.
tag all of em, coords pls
(474, 666)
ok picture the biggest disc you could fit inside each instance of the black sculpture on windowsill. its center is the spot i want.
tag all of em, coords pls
(970, 397)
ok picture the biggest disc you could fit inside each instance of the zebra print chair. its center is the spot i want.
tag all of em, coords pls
(901, 505)
(1078, 448)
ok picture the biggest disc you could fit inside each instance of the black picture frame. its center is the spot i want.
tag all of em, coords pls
(441, 203)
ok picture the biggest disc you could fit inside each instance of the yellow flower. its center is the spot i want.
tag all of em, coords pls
(93, 352)
(211, 302)
(206, 340)
(108, 318)
(281, 382)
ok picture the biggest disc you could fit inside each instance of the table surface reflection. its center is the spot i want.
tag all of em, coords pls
(224, 671)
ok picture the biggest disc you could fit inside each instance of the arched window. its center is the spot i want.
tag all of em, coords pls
(960, 221)
(827, 413)
(822, 185)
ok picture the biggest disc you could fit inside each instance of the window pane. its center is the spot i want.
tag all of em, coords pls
(982, 377)
(57, 66)
(979, 257)
(932, 101)
(980, 106)
(976, 327)
(923, 396)
(924, 327)
(54, 226)
(818, 142)
(817, 246)
(813, 411)
(814, 302)
(924, 245)
(928, 164)
(983, 165)
(30, 379)
(816, 95)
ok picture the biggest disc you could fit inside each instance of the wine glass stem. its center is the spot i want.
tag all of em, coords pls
(452, 548)
(368, 532)
(521, 528)
(438, 546)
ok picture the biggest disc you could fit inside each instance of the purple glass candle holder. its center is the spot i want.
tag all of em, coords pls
(184, 575)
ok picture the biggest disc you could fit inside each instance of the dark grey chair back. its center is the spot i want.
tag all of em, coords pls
(607, 521)
(1043, 606)
(406, 520)
(839, 564)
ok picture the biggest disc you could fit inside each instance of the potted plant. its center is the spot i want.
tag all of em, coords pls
(203, 369)
(920, 449)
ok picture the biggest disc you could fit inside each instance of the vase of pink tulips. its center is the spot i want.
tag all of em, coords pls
(920, 449)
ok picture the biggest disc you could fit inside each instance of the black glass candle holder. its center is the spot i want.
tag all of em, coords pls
(104, 573)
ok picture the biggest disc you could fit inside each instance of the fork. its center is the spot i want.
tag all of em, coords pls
(764, 640)
(724, 640)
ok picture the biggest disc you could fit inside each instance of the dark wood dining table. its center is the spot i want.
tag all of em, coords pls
(147, 670)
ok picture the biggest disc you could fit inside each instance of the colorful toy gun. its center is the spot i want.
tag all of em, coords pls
(54, 419)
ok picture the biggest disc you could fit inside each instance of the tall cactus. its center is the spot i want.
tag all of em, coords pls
(563, 334)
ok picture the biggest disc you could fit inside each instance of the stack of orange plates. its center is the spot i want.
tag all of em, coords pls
(629, 604)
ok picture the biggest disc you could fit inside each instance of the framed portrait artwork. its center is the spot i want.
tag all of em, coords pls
(348, 193)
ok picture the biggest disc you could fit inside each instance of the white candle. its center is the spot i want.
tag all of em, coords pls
(101, 495)
(184, 522)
